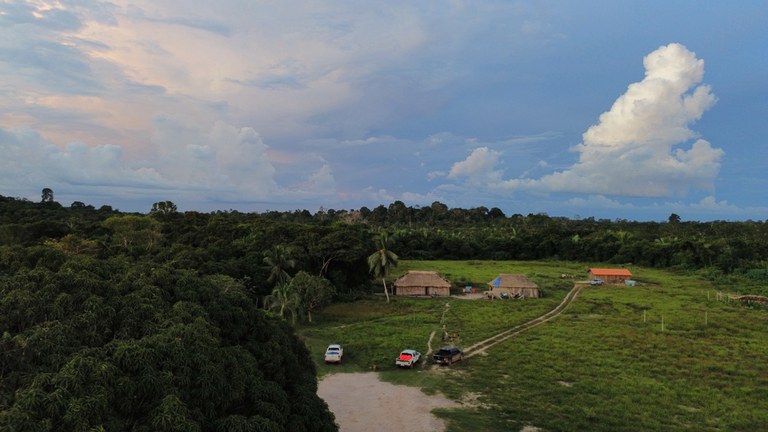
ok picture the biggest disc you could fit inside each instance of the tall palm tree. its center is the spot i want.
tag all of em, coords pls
(381, 262)
(283, 300)
(279, 261)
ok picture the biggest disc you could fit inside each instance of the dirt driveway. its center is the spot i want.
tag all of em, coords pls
(361, 402)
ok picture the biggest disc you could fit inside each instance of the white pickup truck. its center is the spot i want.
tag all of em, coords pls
(334, 353)
(408, 358)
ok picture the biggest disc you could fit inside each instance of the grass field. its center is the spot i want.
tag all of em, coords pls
(667, 355)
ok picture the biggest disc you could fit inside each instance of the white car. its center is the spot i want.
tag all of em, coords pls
(408, 358)
(334, 353)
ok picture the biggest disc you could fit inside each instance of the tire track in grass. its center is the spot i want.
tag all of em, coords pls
(428, 355)
(483, 345)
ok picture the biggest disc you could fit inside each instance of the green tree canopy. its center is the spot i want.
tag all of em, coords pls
(118, 345)
(314, 292)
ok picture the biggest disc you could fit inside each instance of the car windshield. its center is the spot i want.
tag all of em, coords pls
(332, 349)
(405, 356)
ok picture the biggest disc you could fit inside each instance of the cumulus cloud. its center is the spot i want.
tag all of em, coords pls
(635, 150)
(225, 162)
(376, 195)
(318, 184)
(478, 167)
(412, 198)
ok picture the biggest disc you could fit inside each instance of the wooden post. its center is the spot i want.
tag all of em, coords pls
(705, 318)
(662, 323)
(643, 315)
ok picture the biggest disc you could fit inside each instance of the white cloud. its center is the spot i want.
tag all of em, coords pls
(432, 175)
(632, 150)
(320, 183)
(376, 195)
(412, 198)
(478, 167)
(596, 201)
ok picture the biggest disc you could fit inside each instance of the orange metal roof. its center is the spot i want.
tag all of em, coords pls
(610, 272)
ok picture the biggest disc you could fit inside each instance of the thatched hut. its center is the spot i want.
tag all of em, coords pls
(422, 283)
(513, 285)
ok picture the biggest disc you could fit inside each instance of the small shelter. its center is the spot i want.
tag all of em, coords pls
(422, 283)
(514, 285)
(610, 276)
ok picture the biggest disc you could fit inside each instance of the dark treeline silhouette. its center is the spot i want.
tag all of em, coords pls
(335, 243)
(170, 320)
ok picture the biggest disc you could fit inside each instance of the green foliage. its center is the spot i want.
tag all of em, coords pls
(381, 262)
(314, 292)
(284, 300)
(606, 364)
(278, 260)
(96, 347)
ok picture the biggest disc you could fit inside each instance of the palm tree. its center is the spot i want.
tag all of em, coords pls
(279, 261)
(283, 300)
(381, 262)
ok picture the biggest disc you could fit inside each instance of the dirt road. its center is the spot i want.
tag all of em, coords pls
(361, 402)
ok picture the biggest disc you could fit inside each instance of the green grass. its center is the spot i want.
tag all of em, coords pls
(604, 365)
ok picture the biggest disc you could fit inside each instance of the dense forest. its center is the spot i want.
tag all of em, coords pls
(171, 321)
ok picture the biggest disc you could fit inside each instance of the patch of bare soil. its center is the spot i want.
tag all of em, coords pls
(361, 402)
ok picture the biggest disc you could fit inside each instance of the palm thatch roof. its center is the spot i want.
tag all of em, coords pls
(512, 281)
(420, 278)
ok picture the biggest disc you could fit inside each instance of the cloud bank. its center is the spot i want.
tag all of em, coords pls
(221, 164)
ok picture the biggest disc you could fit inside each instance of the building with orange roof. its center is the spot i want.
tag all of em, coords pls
(610, 276)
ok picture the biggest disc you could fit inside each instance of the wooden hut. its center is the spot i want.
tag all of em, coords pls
(610, 276)
(513, 285)
(422, 283)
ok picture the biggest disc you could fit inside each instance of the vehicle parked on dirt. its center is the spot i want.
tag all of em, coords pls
(407, 358)
(596, 282)
(334, 353)
(448, 355)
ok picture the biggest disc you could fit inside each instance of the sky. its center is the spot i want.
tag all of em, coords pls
(606, 109)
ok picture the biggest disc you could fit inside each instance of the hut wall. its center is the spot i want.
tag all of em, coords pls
(527, 292)
(411, 290)
(439, 291)
(530, 292)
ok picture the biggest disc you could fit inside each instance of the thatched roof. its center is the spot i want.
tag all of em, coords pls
(418, 278)
(512, 281)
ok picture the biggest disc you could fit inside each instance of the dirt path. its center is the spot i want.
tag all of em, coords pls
(361, 402)
(483, 345)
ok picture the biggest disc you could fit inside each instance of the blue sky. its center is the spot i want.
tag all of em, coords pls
(610, 109)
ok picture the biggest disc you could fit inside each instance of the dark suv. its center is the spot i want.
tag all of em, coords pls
(447, 355)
